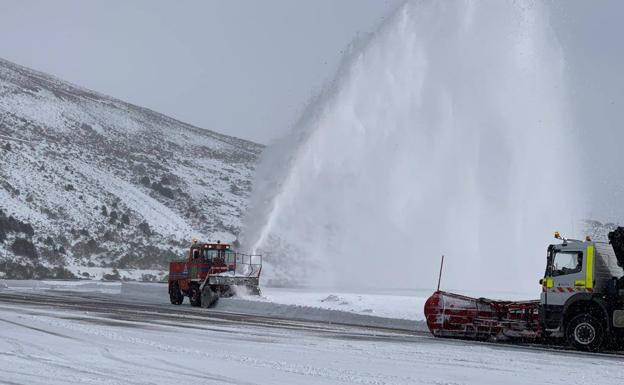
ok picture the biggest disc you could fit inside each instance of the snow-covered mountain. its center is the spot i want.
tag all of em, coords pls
(96, 181)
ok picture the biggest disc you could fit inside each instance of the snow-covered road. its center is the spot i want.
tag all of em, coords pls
(88, 339)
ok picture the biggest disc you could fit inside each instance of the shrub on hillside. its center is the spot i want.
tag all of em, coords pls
(112, 277)
(162, 190)
(86, 249)
(59, 272)
(144, 227)
(13, 225)
(25, 248)
(16, 270)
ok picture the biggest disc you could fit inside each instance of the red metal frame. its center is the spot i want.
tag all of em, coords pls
(459, 316)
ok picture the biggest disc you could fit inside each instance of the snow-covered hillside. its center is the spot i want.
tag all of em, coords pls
(105, 183)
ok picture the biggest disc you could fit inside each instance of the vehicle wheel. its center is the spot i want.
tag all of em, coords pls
(209, 298)
(585, 332)
(195, 296)
(175, 295)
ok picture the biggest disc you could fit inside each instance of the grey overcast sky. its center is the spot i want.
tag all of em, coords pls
(245, 68)
(591, 33)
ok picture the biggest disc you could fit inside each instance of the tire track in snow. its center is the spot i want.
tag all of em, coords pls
(36, 329)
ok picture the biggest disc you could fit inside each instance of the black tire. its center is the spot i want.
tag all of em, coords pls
(585, 332)
(175, 295)
(209, 297)
(195, 296)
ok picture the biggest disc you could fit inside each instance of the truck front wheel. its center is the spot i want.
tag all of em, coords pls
(585, 332)
(209, 297)
(195, 296)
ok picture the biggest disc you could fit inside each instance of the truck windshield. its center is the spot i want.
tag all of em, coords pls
(209, 254)
(567, 262)
(226, 256)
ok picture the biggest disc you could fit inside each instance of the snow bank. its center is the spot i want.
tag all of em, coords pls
(74, 286)
(98, 273)
(388, 305)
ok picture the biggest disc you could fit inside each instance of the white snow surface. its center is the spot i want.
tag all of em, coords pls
(46, 345)
(399, 306)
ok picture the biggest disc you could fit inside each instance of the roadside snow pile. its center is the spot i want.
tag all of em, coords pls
(75, 286)
(334, 298)
(407, 306)
(113, 274)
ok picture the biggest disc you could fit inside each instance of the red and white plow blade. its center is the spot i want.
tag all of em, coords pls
(458, 316)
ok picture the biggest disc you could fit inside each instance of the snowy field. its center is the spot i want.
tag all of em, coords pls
(85, 337)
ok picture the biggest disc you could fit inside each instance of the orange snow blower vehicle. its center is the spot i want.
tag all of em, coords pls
(212, 270)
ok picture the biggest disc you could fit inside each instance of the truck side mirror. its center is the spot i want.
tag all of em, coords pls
(541, 281)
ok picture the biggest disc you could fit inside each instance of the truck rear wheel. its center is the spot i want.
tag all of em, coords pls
(585, 332)
(175, 295)
(195, 296)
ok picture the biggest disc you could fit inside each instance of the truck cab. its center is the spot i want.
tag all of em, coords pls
(582, 297)
(214, 258)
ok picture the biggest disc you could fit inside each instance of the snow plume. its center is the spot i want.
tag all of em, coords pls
(445, 133)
